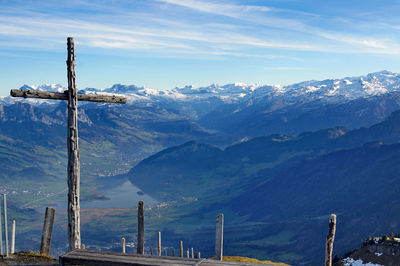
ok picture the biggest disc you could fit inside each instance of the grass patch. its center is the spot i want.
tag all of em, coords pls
(251, 260)
(283, 238)
(33, 254)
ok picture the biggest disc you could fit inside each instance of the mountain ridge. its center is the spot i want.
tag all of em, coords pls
(375, 83)
(250, 110)
(289, 185)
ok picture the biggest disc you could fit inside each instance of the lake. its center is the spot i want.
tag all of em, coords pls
(119, 194)
(124, 195)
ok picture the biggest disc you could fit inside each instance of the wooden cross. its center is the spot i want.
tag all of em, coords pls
(74, 233)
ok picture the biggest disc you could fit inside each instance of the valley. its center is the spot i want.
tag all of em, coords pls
(275, 160)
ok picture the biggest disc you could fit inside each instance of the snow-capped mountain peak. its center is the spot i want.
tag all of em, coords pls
(45, 87)
(330, 90)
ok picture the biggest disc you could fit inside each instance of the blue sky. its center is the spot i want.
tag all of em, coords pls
(162, 44)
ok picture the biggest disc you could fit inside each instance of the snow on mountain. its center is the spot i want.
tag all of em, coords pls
(45, 87)
(359, 262)
(331, 90)
(38, 102)
(348, 88)
(134, 93)
(227, 93)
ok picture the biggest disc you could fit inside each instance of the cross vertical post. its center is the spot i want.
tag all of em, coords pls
(74, 237)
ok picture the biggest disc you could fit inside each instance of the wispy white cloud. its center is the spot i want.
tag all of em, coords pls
(15, 54)
(253, 27)
(109, 36)
(256, 14)
(230, 10)
(360, 41)
(229, 35)
(263, 15)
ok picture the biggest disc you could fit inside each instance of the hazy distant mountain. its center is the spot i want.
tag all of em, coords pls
(182, 166)
(110, 137)
(255, 110)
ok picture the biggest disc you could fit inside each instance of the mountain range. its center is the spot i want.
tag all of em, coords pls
(277, 160)
(299, 180)
(331, 90)
(250, 110)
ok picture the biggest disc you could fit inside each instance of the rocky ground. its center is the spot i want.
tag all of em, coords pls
(374, 251)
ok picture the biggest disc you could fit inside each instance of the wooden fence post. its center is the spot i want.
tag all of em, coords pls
(173, 252)
(159, 243)
(5, 223)
(13, 237)
(181, 248)
(165, 252)
(47, 231)
(192, 253)
(140, 238)
(123, 245)
(219, 237)
(1, 235)
(187, 253)
(329, 240)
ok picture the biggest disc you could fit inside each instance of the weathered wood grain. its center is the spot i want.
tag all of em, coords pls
(64, 96)
(74, 231)
(329, 240)
(47, 231)
(93, 257)
(5, 222)
(39, 94)
(1, 236)
(13, 237)
(219, 237)
(140, 237)
(159, 243)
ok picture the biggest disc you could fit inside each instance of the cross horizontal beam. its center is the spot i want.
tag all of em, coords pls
(64, 96)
